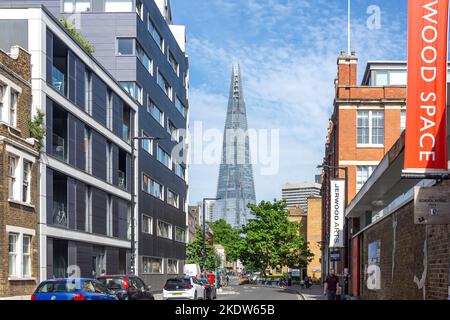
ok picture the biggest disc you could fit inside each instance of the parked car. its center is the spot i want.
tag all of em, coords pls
(244, 280)
(184, 288)
(127, 287)
(72, 289)
(211, 292)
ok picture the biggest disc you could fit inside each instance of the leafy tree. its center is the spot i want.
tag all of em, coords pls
(73, 31)
(271, 240)
(195, 252)
(229, 238)
(37, 129)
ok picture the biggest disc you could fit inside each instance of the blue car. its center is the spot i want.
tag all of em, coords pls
(72, 289)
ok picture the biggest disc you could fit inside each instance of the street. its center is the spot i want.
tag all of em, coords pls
(250, 292)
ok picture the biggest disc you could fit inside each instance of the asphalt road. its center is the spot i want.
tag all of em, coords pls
(249, 292)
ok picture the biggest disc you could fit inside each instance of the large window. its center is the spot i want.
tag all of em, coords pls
(363, 174)
(13, 254)
(77, 6)
(2, 99)
(152, 187)
(152, 265)
(172, 130)
(125, 46)
(180, 107)
(88, 149)
(180, 171)
(172, 266)
(389, 77)
(147, 224)
(26, 256)
(156, 113)
(155, 34)
(180, 235)
(147, 144)
(173, 63)
(164, 85)
(164, 230)
(118, 5)
(144, 58)
(13, 107)
(172, 198)
(370, 128)
(133, 90)
(26, 181)
(163, 157)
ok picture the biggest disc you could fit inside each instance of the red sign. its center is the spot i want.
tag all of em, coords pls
(426, 132)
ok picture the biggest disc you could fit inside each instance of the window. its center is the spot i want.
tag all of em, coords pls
(147, 144)
(172, 198)
(77, 6)
(12, 166)
(180, 235)
(180, 171)
(109, 162)
(152, 187)
(118, 5)
(147, 224)
(139, 9)
(26, 181)
(125, 46)
(402, 120)
(143, 57)
(363, 174)
(155, 34)
(172, 266)
(26, 258)
(87, 91)
(133, 89)
(389, 77)
(152, 265)
(173, 62)
(370, 127)
(180, 107)
(2, 98)
(164, 230)
(87, 149)
(163, 157)
(13, 107)
(13, 256)
(172, 130)
(109, 217)
(156, 113)
(164, 84)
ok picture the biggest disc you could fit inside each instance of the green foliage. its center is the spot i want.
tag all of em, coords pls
(194, 252)
(229, 238)
(271, 240)
(37, 129)
(73, 31)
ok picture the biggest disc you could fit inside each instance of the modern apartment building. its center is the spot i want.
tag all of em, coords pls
(367, 120)
(85, 168)
(138, 44)
(296, 195)
(19, 241)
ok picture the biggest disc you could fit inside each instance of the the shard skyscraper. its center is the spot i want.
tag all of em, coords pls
(235, 187)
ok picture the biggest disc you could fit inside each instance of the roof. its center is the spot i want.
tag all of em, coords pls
(302, 186)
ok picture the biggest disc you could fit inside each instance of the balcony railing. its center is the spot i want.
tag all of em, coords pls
(59, 214)
(58, 80)
(122, 180)
(59, 147)
(126, 132)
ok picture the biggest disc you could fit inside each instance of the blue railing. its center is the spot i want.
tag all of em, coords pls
(58, 80)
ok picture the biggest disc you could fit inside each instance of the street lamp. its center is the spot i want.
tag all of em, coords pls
(132, 190)
(347, 246)
(204, 233)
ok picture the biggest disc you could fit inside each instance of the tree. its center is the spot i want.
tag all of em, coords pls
(81, 40)
(195, 252)
(37, 129)
(271, 240)
(229, 238)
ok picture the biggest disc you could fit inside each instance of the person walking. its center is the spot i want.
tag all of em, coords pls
(331, 284)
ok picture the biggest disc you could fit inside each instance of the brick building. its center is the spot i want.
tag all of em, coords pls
(413, 259)
(314, 236)
(366, 121)
(19, 243)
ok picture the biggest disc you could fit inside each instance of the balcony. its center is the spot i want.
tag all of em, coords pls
(59, 214)
(58, 80)
(59, 150)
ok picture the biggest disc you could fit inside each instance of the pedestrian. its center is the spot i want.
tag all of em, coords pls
(228, 280)
(331, 284)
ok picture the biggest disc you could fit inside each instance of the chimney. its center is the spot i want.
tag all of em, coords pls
(347, 67)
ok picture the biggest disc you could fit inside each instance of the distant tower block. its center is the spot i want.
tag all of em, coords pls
(235, 187)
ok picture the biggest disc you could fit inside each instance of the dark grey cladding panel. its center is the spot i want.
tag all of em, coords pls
(71, 76)
(122, 211)
(115, 164)
(80, 90)
(49, 196)
(98, 155)
(80, 206)
(13, 33)
(72, 143)
(71, 202)
(112, 260)
(49, 55)
(115, 217)
(98, 211)
(49, 257)
(99, 97)
(80, 157)
(117, 114)
(72, 254)
(84, 259)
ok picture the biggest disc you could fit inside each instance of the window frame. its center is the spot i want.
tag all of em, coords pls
(177, 266)
(160, 150)
(170, 230)
(161, 265)
(74, 3)
(14, 253)
(12, 108)
(370, 170)
(150, 105)
(26, 181)
(12, 176)
(151, 184)
(150, 231)
(167, 89)
(180, 105)
(118, 11)
(184, 230)
(133, 47)
(26, 254)
(370, 119)
(151, 24)
(147, 141)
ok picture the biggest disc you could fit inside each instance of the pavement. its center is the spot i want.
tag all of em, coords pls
(313, 293)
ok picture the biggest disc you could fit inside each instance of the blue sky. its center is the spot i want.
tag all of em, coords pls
(287, 50)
